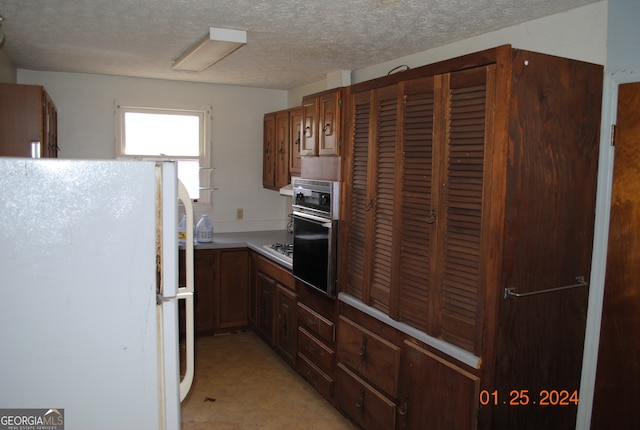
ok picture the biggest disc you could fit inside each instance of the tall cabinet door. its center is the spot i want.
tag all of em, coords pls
(269, 145)
(282, 149)
(371, 193)
(463, 121)
(410, 300)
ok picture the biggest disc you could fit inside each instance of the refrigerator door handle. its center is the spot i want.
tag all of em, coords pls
(186, 293)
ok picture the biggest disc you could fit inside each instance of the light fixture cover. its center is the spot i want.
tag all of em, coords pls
(212, 48)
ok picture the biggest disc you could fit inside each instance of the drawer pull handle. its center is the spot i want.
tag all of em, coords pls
(360, 402)
(403, 409)
(363, 351)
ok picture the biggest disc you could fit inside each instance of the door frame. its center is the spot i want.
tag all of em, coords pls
(612, 81)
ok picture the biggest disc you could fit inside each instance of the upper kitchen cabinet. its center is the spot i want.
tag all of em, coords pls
(468, 180)
(281, 147)
(322, 121)
(295, 140)
(28, 122)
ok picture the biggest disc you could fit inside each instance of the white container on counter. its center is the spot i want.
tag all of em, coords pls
(204, 230)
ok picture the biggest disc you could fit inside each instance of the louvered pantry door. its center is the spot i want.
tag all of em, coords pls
(371, 196)
(466, 122)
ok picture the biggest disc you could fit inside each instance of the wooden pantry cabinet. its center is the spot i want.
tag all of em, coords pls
(281, 147)
(28, 122)
(466, 179)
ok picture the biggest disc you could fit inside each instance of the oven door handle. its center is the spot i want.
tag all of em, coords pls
(324, 221)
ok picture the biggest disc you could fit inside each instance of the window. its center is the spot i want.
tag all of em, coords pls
(169, 134)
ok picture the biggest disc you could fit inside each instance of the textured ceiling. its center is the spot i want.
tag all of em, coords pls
(290, 42)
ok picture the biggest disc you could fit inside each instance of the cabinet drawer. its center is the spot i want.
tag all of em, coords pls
(314, 350)
(369, 408)
(316, 377)
(373, 357)
(316, 323)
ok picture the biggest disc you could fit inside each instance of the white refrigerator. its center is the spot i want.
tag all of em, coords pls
(89, 292)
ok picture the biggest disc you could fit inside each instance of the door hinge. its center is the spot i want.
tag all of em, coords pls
(613, 135)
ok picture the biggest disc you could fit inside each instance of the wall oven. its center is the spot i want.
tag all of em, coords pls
(315, 233)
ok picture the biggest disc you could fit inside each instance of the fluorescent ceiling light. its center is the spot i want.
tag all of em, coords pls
(212, 48)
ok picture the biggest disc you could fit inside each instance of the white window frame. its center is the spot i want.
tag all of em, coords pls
(204, 159)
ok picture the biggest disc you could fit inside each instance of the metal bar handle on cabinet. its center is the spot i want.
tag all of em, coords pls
(363, 351)
(403, 409)
(360, 402)
(511, 292)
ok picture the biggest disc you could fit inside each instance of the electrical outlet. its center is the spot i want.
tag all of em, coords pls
(239, 213)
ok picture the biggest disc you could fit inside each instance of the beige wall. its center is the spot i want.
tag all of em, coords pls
(86, 129)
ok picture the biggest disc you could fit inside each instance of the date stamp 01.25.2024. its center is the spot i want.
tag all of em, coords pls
(529, 398)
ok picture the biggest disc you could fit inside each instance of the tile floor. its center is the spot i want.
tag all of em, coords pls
(252, 388)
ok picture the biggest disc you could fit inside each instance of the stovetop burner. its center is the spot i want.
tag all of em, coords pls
(283, 248)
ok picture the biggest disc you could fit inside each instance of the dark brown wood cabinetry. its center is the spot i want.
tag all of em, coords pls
(221, 278)
(466, 178)
(322, 122)
(281, 147)
(275, 300)
(28, 122)
(232, 289)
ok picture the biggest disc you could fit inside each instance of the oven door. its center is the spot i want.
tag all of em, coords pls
(315, 251)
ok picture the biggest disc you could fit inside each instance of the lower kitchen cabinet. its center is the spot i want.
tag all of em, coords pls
(435, 393)
(273, 292)
(221, 288)
(286, 323)
(264, 319)
(233, 288)
(316, 346)
(386, 379)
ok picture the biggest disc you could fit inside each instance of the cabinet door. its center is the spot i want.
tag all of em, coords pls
(25, 111)
(410, 300)
(465, 122)
(266, 288)
(233, 299)
(309, 142)
(286, 322)
(435, 393)
(204, 279)
(269, 151)
(372, 190)
(295, 140)
(282, 150)
(329, 124)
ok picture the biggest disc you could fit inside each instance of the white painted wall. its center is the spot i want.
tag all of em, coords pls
(86, 129)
